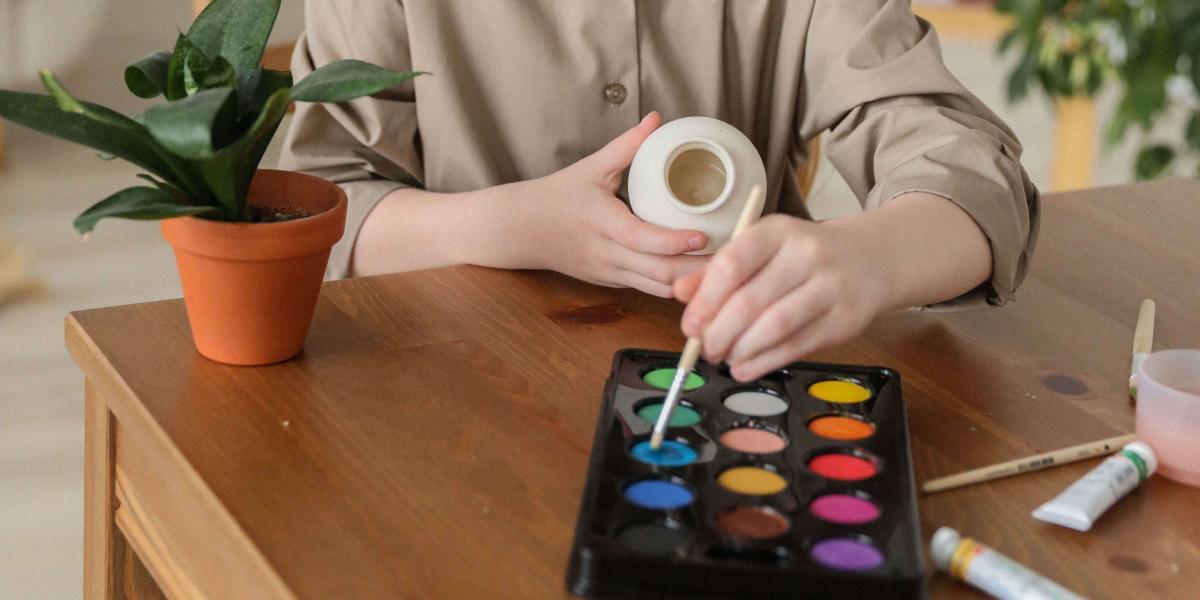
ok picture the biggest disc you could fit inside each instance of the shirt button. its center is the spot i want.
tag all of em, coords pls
(615, 93)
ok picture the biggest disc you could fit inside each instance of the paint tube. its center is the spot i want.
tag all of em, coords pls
(990, 571)
(1080, 505)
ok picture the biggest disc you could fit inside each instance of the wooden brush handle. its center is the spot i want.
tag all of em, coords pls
(750, 212)
(1143, 335)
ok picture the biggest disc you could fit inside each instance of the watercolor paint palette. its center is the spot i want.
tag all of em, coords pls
(798, 485)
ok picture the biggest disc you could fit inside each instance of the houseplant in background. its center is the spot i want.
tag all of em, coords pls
(1070, 48)
(250, 244)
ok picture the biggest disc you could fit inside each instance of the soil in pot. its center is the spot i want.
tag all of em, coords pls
(276, 214)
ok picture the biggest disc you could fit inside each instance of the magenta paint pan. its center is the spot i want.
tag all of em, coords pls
(845, 508)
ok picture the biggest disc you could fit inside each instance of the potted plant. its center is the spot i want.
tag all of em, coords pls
(250, 244)
(1070, 48)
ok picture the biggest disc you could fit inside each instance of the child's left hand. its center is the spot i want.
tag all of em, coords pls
(782, 289)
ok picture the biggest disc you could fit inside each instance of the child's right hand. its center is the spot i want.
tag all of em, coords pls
(572, 222)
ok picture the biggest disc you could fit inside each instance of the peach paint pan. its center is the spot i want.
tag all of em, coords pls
(798, 485)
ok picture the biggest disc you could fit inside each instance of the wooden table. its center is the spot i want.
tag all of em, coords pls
(432, 441)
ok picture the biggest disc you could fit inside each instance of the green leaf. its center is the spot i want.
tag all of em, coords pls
(177, 87)
(1018, 81)
(1152, 161)
(147, 77)
(165, 164)
(200, 73)
(1009, 38)
(164, 186)
(235, 29)
(1145, 90)
(1118, 125)
(197, 126)
(93, 126)
(191, 69)
(1196, 70)
(346, 80)
(1095, 78)
(229, 171)
(1079, 72)
(1193, 131)
(254, 87)
(142, 203)
(65, 101)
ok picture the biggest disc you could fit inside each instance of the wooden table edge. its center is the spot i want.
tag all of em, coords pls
(108, 398)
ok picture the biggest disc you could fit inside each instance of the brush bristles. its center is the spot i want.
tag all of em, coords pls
(656, 440)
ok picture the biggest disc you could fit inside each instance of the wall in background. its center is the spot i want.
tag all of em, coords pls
(44, 34)
(56, 34)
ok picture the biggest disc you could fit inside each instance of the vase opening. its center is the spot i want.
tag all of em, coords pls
(699, 176)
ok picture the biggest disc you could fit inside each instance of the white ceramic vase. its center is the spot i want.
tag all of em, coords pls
(695, 173)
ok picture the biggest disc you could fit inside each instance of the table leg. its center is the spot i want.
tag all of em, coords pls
(99, 502)
(136, 582)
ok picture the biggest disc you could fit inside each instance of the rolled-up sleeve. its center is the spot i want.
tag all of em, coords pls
(368, 146)
(899, 122)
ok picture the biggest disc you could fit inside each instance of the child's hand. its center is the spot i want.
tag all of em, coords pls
(782, 289)
(572, 222)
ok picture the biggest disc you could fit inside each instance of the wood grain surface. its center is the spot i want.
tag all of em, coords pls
(432, 440)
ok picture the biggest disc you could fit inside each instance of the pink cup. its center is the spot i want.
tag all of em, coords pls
(1168, 412)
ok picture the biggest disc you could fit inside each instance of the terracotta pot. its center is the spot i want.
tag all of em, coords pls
(250, 288)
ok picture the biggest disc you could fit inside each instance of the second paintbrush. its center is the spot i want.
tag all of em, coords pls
(1027, 464)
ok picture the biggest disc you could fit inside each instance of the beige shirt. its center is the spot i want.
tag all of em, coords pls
(522, 88)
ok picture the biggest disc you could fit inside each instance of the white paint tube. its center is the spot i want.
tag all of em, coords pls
(990, 571)
(1080, 505)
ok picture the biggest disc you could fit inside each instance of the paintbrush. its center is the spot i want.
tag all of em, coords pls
(1143, 342)
(691, 350)
(1029, 463)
